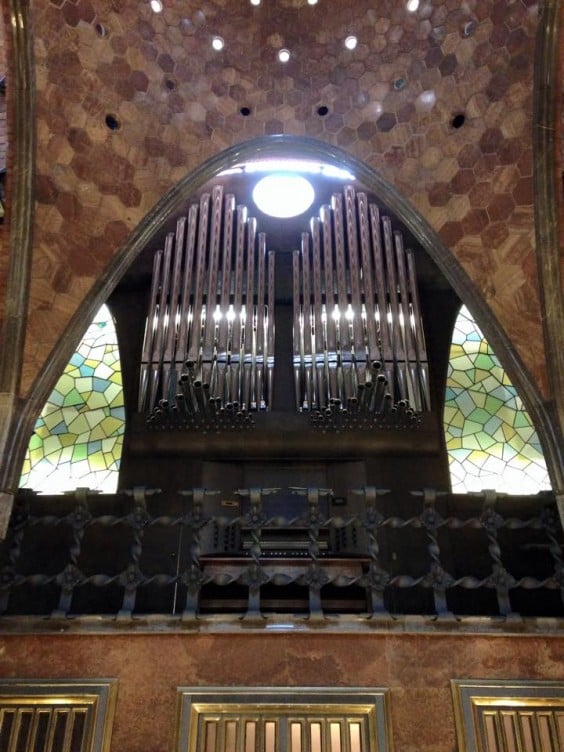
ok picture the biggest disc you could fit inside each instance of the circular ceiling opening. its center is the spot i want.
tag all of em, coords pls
(283, 195)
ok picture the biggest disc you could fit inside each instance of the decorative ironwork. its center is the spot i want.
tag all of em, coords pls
(250, 561)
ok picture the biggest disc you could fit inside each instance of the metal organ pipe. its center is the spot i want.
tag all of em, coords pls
(358, 340)
(209, 341)
(367, 335)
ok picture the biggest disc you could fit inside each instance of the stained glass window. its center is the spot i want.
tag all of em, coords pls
(490, 439)
(78, 438)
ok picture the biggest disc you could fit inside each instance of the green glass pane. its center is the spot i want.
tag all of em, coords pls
(489, 435)
(85, 406)
(74, 397)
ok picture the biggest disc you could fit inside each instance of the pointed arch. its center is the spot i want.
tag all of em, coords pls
(283, 147)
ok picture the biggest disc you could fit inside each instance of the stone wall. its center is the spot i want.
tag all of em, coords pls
(417, 669)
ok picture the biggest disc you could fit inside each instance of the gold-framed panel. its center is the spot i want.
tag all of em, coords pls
(509, 716)
(56, 715)
(284, 719)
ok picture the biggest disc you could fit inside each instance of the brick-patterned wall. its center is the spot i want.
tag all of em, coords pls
(178, 103)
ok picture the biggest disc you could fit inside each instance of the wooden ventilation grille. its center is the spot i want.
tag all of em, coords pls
(509, 717)
(276, 730)
(39, 728)
(358, 334)
(209, 338)
(55, 717)
(314, 723)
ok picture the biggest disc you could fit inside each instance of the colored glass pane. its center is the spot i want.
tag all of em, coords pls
(490, 439)
(78, 437)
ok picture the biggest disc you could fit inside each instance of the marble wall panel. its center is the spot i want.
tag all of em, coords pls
(417, 669)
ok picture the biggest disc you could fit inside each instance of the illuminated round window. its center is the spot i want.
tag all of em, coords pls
(283, 195)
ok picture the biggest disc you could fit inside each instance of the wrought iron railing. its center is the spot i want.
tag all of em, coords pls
(455, 555)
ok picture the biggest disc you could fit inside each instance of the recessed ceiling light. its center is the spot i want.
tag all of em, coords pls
(283, 195)
(412, 5)
(255, 2)
(284, 55)
(351, 42)
(312, 2)
(156, 6)
(218, 43)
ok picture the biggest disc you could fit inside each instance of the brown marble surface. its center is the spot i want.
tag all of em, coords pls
(178, 103)
(417, 669)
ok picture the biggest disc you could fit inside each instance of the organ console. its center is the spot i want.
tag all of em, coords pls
(358, 340)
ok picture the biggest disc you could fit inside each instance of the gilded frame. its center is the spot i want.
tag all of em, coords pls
(98, 695)
(473, 697)
(373, 702)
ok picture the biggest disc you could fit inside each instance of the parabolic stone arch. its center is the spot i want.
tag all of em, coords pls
(286, 147)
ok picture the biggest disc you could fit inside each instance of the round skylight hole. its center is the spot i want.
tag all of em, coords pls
(218, 44)
(350, 42)
(283, 195)
(284, 55)
(312, 2)
(156, 6)
(469, 28)
(412, 5)
(255, 2)
(112, 122)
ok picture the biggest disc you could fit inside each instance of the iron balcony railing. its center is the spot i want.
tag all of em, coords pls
(297, 550)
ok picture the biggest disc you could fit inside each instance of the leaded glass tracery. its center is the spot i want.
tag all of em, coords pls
(77, 440)
(490, 439)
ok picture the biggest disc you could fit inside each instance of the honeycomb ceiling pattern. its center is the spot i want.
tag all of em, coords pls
(174, 102)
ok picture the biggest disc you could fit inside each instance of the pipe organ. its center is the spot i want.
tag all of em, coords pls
(359, 344)
(209, 339)
(358, 341)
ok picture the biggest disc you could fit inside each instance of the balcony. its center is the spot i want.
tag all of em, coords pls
(259, 554)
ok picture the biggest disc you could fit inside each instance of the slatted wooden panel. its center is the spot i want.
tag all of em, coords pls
(521, 730)
(55, 717)
(223, 721)
(268, 732)
(509, 716)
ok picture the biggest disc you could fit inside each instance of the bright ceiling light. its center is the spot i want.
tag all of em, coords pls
(312, 2)
(351, 42)
(255, 2)
(284, 55)
(283, 195)
(412, 5)
(291, 166)
(156, 6)
(218, 43)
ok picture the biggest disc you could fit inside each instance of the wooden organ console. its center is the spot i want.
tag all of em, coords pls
(358, 342)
